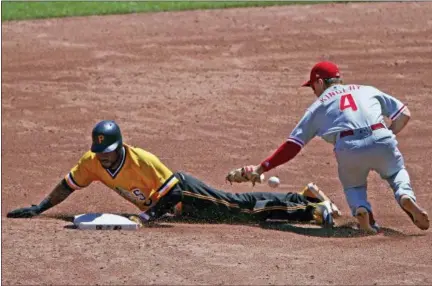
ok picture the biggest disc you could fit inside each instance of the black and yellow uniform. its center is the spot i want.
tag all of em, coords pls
(144, 180)
(140, 178)
(201, 201)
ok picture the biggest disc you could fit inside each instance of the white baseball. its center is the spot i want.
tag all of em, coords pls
(273, 182)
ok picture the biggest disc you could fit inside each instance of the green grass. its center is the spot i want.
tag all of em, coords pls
(20, 10)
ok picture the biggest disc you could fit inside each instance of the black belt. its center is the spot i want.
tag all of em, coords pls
(351, 132)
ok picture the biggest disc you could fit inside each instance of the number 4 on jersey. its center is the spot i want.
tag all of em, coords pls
(347, 101)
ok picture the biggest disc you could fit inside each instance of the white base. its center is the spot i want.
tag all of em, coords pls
(104, 221)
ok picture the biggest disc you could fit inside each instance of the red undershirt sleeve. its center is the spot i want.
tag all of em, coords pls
(283, 154)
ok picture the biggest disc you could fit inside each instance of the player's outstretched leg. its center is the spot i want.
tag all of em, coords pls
(291, 207)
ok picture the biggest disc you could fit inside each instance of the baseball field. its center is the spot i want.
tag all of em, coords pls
(206, 90)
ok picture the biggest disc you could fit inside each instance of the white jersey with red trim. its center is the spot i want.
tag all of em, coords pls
(345, 107)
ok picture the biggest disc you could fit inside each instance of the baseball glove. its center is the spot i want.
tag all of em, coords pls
(27, 212)
(244, 174)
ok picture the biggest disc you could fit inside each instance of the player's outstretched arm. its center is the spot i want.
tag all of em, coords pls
(287, 151)
(400, 122)
(59, 194)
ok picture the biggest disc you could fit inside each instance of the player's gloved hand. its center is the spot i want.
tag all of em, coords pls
(27, 212)
(249, 173)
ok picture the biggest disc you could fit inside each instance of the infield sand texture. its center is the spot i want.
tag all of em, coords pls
(207, 91)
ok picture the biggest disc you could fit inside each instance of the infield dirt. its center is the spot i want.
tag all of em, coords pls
(207, 91)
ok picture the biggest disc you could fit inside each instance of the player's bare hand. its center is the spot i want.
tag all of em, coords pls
(249, 173)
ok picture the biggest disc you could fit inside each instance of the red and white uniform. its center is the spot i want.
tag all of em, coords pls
(351, 117)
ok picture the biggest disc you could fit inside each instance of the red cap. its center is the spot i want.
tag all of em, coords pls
(323, 70)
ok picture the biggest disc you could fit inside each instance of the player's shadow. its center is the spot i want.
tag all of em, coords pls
(341, 230)
(64, 217)
(345, 227)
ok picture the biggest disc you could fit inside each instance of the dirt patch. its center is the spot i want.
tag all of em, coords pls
(206, 91)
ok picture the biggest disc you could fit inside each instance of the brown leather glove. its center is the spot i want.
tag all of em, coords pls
(245, 174)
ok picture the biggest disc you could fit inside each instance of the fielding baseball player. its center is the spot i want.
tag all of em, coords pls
(351, 117)
(141, 178)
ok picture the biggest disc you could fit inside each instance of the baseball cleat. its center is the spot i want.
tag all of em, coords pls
(323, 215)
(418, 215)
(313, 191)
(365, 222)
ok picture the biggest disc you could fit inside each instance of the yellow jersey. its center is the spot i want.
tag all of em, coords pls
(141, 177)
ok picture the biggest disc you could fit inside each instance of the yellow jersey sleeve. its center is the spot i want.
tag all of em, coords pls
(81, 175)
